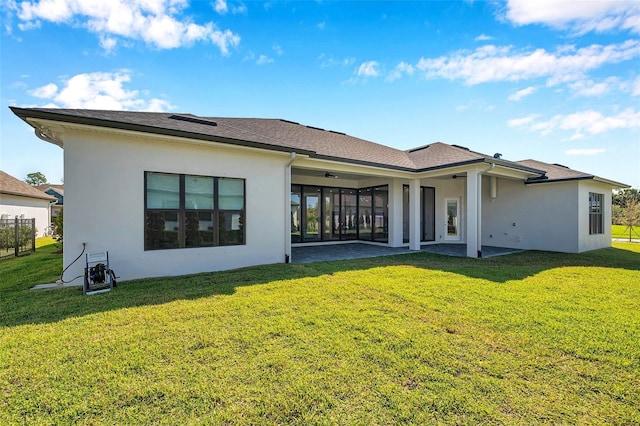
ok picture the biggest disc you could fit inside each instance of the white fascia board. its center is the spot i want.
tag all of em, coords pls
(62, 129)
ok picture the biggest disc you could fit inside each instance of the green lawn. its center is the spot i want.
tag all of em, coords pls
(621, 231)
(416, 339)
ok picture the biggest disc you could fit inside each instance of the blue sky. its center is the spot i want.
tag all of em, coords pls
(556, 80)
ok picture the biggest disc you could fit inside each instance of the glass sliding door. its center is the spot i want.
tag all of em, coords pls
(381, 214)
(365, 216)
(349, 214)
(452, 214)
(331, 214)
(428, 213)
(311, 212)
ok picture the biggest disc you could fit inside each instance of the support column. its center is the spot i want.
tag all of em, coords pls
(414, 214)
(395, 213)
(473, 179)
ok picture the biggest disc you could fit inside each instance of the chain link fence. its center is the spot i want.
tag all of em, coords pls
(17, 236)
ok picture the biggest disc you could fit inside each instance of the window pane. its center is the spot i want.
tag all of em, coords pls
(198, 193)
(198, 229)
(231, 228)
(163, 191)
(452, 218)
(230, 194)
(161, 230)
(596, 221)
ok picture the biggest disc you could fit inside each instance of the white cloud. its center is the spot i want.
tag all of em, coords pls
(44, 92)
(321, 25)
(517, 122)
(156, 22)
(585, 151)
(483, 37)
(220, 6)
(98, 90)
(502, 63)
(580, 123)
(517, 96)
(368, 69)
(589, 88)
(329, 61)
(264, 59)
(635, 87)
(278, 49)
(579, 17)
(401, 69)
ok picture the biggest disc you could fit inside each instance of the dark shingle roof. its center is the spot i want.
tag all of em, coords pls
(555, 172)
(439, 154)
(13, 186)
(275, 134)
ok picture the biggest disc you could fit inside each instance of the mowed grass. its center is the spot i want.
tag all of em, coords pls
(416, 339)
(621, 231)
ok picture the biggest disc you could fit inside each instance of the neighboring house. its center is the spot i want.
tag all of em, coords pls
(56, 191)
(171, 194)
(18, 198)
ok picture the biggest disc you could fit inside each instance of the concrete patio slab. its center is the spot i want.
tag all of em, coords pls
(321, 253)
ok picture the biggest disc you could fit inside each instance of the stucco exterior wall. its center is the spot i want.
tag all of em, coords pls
(537, 217)
(586, 241)
(104, 203)
(14, 205)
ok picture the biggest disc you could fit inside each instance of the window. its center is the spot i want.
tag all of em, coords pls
(193, 211)
(596, 223)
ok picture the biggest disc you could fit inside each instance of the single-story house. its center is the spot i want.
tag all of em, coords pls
(171, 194)
(17, 198)
(57, 192)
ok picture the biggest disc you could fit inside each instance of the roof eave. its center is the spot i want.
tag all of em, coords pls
(26, 114)
(613, 184)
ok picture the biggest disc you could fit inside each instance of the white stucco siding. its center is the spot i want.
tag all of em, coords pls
(14, 205)
(588, 241)
(104, 203)
(537, 217)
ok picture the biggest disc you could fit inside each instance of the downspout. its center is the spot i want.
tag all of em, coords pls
(479, 208)
(287, 208)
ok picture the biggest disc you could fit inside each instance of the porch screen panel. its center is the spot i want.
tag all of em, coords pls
(405, 213)
(349, 214)
(381, 215)
(428, 213)
(296, 213)
(311, 211)
(331, 214)
(365, 214)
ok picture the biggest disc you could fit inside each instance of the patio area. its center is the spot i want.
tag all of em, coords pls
(319, 253)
